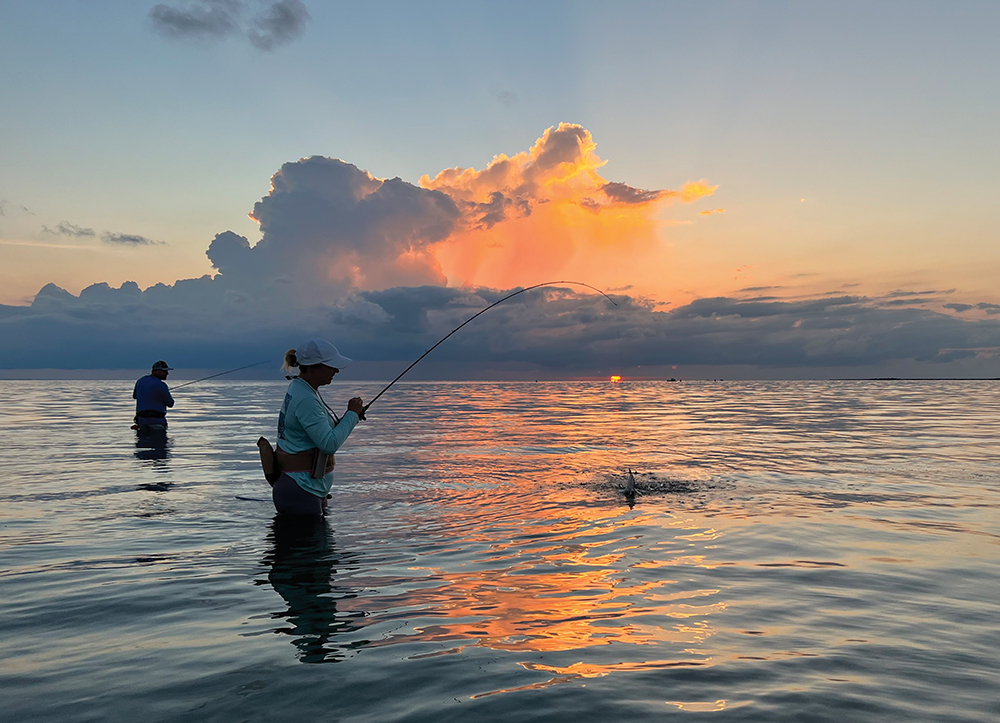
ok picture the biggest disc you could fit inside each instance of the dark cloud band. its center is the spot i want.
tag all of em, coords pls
(207, 322)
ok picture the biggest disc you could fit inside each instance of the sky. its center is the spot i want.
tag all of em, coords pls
(768, 190)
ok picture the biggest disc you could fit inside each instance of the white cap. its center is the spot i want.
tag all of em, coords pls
(320, 351)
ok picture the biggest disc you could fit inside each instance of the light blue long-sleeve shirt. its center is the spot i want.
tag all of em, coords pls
(303, 423)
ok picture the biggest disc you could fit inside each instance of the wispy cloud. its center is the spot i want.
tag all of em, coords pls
(66, 228)
(925, 292)
(128, 239)
(276, 24)
(711, 211)
(5, 204)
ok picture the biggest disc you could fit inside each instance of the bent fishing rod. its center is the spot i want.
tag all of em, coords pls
(213, 376)
(483, 311)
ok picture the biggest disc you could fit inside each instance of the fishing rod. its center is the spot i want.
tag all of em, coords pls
(213, 376)
(495, 303)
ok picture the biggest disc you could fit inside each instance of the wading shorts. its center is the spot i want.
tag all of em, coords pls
(290, 499)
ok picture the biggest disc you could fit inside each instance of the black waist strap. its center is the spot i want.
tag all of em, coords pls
(151, 413)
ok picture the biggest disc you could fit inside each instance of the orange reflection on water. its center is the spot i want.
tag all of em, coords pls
(578, 671)
(561, 580)
(699, 706)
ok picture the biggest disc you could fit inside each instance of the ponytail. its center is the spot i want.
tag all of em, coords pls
(292, 362)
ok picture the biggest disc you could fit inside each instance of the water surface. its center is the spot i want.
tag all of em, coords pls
(825, 551)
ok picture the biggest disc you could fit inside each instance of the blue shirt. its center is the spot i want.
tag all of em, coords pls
(152, 393)
(304, 423)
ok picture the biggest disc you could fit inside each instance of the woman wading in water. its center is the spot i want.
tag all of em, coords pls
(309, 432)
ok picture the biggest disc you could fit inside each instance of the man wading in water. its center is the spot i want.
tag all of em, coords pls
(152, 397)
(301, 468)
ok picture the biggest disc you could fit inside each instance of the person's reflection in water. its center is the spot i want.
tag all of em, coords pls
(304, 563)
(153, 447)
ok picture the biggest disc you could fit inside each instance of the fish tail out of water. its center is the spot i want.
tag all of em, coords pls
(630, 485)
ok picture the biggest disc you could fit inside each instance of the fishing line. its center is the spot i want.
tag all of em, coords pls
(336, 419)
(213, 376)
(495, 303)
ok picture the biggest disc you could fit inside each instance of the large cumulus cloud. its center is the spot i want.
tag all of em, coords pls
(327, 226)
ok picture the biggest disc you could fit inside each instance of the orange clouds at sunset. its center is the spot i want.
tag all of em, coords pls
(691, 192)
(548, 212)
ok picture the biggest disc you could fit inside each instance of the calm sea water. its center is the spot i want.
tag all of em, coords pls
(818, 551)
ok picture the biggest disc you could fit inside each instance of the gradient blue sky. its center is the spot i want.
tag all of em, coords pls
(854, 143)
